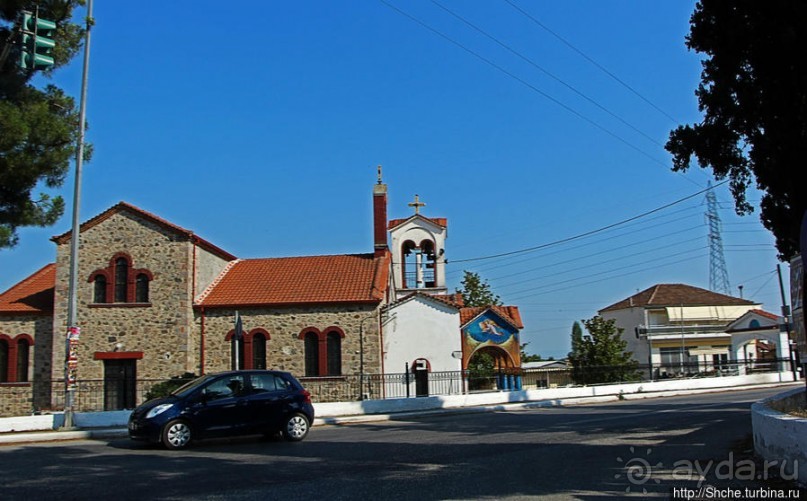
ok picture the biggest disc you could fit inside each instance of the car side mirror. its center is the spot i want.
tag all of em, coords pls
(199, 398)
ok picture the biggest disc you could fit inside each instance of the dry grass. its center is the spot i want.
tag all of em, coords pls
(802, 413)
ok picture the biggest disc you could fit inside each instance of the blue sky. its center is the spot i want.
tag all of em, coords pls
(259, 127)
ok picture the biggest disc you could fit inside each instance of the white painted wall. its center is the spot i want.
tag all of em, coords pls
(542, 397)
(420, 327)
(739, 341)
(628, 319)
(781, 437)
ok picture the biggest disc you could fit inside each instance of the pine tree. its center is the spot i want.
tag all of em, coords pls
(38, 127)
(476, 292)
(601, 356)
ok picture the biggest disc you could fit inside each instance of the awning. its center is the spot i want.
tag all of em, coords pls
(709, 350)
(712, 313)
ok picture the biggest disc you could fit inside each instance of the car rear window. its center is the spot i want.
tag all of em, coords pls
(269, 382)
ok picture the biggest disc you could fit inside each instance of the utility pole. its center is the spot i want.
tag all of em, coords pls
(785, 327)
(72, 337)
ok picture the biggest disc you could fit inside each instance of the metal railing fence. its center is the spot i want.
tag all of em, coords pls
(98, 395)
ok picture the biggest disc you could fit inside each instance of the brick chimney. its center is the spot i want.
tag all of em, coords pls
(380, 216)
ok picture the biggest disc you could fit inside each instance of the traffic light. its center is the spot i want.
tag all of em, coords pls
(37, 42)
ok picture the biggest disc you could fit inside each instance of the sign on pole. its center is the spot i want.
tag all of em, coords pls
(73, 334)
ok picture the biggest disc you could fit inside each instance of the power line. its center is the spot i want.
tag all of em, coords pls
(592, 61)
(528, 85)
(588, 233)
(657, 266)
(598, 263)
(546, 72)
(654, 260)
(641, 229)
(764, 284)
(600, 252)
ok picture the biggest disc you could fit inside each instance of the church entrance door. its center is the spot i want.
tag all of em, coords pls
(421, 370)
(120, 379)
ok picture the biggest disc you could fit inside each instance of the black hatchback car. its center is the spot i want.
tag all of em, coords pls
(228, 403)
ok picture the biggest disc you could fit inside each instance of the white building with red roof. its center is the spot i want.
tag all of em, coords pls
(428, 331)
(678, 328)
(757, 338)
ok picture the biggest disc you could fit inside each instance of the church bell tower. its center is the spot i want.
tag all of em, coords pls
(418, 253)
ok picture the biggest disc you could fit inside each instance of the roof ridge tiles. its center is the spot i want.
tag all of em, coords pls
(121, 206)
(354, 254)
(201, 297)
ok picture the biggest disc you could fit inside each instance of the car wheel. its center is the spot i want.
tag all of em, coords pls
(176, 434)
(296, 428)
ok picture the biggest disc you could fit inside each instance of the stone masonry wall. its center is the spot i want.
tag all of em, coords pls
(19, 399)
(160, 329)
(285, 350)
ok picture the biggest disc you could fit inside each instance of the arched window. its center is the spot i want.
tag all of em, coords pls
(259, 351)
(4, 349)
(142, 288)
(23, 350)
(121, 279)
(119, 282)
(311, 354)
(754, 324)
(99, 289)
(334, 341)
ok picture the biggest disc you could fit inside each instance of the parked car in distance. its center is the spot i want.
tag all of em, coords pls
(225, 404)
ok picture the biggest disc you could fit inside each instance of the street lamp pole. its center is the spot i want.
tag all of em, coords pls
(72, 295)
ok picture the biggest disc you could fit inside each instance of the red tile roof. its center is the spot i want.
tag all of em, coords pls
(677, 295)
(766, 314)
(453, 300)
(439, 221)
(125, 207)
(509, 314)
(32, 295)
(352, 278)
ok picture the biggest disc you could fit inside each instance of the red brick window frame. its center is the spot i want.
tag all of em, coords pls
(323, 351)
(253, 350)
(121, 283)
(15, 358)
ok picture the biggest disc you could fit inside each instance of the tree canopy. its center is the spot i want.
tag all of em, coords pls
(600, 357)
(38, 126)
(753, 96)
(530, 357)
(477, 292)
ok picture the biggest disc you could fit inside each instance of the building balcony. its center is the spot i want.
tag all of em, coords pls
(654, 332)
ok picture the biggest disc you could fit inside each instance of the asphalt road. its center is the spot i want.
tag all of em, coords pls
(628, 449)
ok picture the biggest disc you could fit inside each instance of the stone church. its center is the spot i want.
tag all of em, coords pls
(156, 301)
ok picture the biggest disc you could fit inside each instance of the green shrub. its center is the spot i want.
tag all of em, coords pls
(166, 387)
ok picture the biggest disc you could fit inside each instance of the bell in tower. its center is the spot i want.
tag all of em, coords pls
(418, 248)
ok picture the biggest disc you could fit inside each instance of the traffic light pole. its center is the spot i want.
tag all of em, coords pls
(72, 295)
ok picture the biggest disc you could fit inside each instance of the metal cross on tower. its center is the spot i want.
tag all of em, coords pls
(718, 275)
(417, 204)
